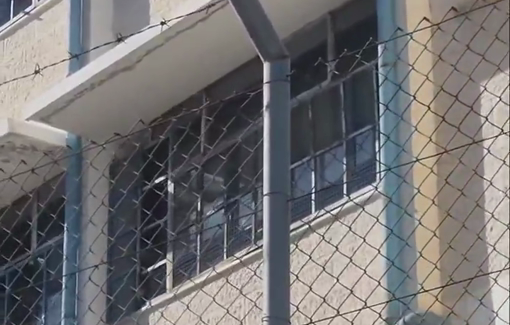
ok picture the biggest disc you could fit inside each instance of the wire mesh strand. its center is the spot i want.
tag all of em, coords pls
(176, 238)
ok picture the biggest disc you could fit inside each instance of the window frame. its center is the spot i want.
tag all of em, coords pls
(23, 13)
(34, 204)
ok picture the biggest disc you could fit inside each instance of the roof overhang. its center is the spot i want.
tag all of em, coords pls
(151, 72)
(30, 154)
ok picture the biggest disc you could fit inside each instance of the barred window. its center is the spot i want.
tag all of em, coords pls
(31, 254)
(198, 200)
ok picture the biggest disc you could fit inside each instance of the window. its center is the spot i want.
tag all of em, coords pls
(31, 257)
(200, 191)
(12, 9)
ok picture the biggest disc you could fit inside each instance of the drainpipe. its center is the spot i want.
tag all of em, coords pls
(276, 187)
(73, 205)
(391, 115)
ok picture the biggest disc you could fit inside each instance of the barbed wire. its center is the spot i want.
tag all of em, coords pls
(421, 29)
(38, 69)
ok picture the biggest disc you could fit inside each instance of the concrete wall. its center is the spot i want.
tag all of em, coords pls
(38, 39)
(336, 267)
(106, 20)
(460, 81)
(460, 96)
(41, 38)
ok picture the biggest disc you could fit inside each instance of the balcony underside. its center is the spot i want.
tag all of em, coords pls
(153, 71)
(30, 153)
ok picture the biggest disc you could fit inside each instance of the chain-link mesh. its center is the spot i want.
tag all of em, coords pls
(171, 214)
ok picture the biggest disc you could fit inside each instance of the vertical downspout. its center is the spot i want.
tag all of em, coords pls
(73, 205)
(391, 112)
(276, 165)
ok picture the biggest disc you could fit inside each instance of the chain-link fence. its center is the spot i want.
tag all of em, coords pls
(399, 200)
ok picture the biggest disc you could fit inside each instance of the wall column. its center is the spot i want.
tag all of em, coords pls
(92, 299)
(451, 214)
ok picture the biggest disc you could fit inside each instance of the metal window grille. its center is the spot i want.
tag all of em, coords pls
(31, 256)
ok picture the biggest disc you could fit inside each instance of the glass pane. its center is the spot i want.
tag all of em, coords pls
(242, 225)
(213, 234)
(20, 6)
(301, 189)
(50, 221)
(330, 172)
(52, 315)
(360, 97)
(354, 41)
(15, 235)
(153, 249)
(155, 167)
(327, 122)
(221, 181)
(308, 71)
(184, 226)
(50, 308)
(23, 302)
(185, 257)
(3, 300)
(301, 133)
(154, 283)
(361, 161)
(154, 204)
(5, 11)
(153, 245)
(123, 232)
(54, 268)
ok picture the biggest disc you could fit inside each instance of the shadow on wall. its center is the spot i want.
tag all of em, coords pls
(130, 16)
(105, 20)
(471, 83)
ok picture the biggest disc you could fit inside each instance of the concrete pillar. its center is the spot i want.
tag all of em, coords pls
(446, 112)
(92, 285)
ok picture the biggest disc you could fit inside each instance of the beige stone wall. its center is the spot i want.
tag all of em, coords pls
(37, 40)
(459, 79)
(336, 267)
(163, 9)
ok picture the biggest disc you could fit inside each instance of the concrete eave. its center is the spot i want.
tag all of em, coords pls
(30, 153)
(157, 69)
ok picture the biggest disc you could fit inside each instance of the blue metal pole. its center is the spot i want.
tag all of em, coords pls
(73, 206)
(391, 116)
(73, 212)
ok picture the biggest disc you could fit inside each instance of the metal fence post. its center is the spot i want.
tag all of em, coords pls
(73, 205)
(276, 193)
(276, 159)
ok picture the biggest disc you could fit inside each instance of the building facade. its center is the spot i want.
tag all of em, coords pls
(399, 162)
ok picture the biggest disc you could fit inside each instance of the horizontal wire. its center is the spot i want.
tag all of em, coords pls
(411, 295)
(417, 160)
(164, 23)
(421, 29)
(120, 39)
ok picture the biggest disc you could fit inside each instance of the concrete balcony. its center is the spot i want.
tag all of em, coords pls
(30, 154)
(157, 69)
